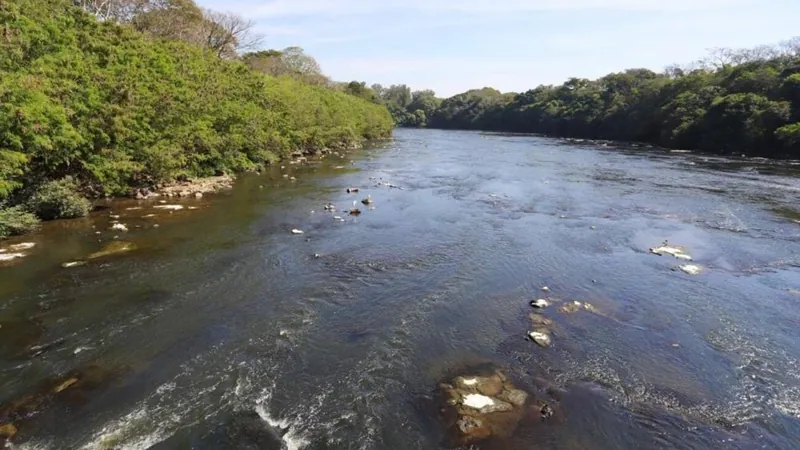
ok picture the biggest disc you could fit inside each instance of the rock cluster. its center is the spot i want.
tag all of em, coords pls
(480, 407)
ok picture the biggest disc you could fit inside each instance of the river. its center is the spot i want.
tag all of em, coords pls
(340, 335)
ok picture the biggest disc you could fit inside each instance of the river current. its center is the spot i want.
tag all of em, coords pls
(337, 337)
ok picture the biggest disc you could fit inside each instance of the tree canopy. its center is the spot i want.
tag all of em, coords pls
(112, 100)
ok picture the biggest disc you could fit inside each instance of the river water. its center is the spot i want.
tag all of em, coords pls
(339, 336)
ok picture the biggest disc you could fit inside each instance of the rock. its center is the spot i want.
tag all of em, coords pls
(571, 307)
(4, 257)
(7, 431)
(666, 249)
(134, 208)
(169, 207)
(540, 303)
(516, 397)
(67, 265)
(541, 337)
(539, 320)
(545, 289)
(22, 246)
(64, 385)
(367, 200)
(352, 190)
(198, 195)
(337, 218)
(296, 231)
(113, 248)
(286, 175)
(691, 269)
(119, 227)
(480, 407)
(114, 216)
(355, 211)
(292, 179)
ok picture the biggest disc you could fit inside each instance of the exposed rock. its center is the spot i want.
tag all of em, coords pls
(355, 211)
(479, 407)
(113, 248)
(352, 190)
(292, 179)
(571, 307)
(541, 337)
(119, 227)
(545, 289)
(296, 231)
(22, 246)
(169, 207)
(4, 257)
(202, 186)
(540, 303)
(691, 269)
(198, 195)
(67, 265)
(367, 200)
(286, 175)
(540, 320)
(7, 431)
(676, 251)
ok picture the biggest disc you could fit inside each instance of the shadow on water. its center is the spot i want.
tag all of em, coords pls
(219, 328)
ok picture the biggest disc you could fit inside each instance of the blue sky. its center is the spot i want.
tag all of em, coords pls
(513, 45)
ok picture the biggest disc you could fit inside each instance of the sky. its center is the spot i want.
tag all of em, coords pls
(451, 46)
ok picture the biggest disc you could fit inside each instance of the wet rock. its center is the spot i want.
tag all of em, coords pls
(691, 269)
(352, 190)
(70, 264)
(539, 320)
(5, 257)
(355, 211)
(286, 175)
(22, 246)
(7, 431)
(540, 303)
(367, 200)
(296, 231)
(545, 289)
(479, 407)
(675, 251)
(198, 195)
(119, 227)
(169, 207)
(113, 248)
(541, 337)
(292, 179)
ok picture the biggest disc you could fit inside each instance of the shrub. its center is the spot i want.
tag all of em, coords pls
(58, 200)
(15, 220)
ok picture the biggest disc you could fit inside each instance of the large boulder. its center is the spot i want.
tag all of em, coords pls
(479, 407)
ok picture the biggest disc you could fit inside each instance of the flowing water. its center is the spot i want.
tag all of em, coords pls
(339, 336)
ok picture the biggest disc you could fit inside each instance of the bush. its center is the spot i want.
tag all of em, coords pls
(15, 220)
(58, 200)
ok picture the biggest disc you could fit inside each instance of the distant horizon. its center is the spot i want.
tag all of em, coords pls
(451, 46)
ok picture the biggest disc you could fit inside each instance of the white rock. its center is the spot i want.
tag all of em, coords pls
(114, 216)
(546, 289)
(119, 227)
(169, 207)
(296, 231)
(543, 339)
(540, 303)
(135, 208)
(677, 252)
(477, 401)
(67, 265)
(470, 381)
(337, 218)
(10, 256)
(21, 246)
(691, 269)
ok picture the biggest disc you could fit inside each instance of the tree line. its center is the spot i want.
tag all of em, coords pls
(99, 96)
(744, 101)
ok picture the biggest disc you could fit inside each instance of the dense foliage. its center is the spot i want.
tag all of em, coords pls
(114, 107)
(732, 102)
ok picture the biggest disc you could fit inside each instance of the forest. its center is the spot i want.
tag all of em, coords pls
(731, 102)
(98, 96)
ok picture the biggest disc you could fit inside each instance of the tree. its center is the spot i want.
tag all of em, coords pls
(226, 34)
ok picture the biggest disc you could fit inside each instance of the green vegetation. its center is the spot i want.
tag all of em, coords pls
(15, 220)
(151, 92)
(731, 102)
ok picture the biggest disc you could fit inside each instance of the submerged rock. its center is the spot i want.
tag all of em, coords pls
(113, 248)
(539, 320)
